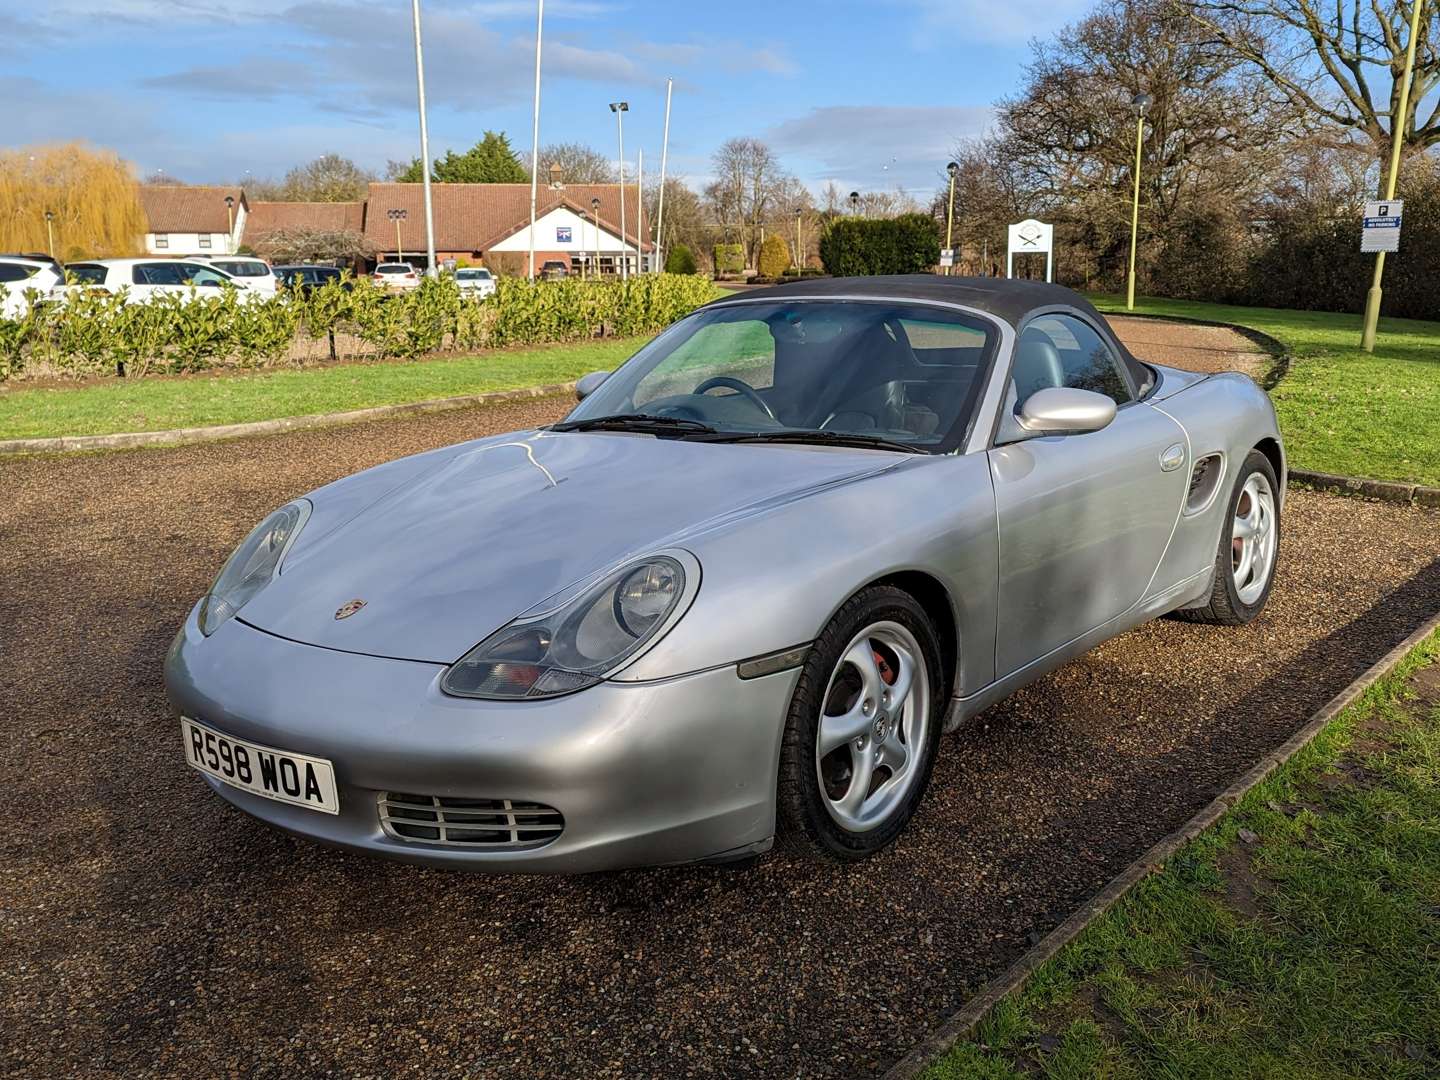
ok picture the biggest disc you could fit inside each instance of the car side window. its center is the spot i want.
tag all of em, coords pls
(742, 349)
(1061, 350)
(156, 274)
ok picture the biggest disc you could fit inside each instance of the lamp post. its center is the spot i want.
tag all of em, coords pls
(397, 216)
(620, 108)
(230, 217)
(535, 134)
(953, 169)
(595, 217)
(854, 202)
(799, 249)
(50, 230)
(424, 142)
(664, 163)
(1397, 142)
(1142, 103)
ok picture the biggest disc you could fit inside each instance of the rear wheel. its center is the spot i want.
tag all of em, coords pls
(863, 728)
(1249, 544)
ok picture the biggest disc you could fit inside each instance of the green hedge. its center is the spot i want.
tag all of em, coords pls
(99, 334)
(908, 244)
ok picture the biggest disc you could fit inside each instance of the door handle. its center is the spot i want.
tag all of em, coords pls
(1172, 458)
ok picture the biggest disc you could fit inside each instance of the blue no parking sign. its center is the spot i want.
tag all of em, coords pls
(1380, 228)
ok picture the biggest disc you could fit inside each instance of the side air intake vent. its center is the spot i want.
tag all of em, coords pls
(1204, 482)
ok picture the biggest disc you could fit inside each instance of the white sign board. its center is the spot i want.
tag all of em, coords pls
(1380, 230)
(947, 256)
(1031, 237)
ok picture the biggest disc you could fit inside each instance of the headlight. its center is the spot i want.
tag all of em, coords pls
(577, 644)
(253, 565)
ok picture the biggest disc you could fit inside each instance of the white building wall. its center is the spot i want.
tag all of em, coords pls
(181, 245)
(584, 237)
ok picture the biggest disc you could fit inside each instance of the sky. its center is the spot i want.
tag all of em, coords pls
(870, 94)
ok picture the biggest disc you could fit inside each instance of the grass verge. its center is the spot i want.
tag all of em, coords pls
(1343, 410)
(200, 401)
(1299, 937)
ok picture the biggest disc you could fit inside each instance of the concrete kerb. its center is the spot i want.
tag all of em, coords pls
(963, 1023)
(180, 436)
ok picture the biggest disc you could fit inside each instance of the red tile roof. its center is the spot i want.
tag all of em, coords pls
(185, 209)
(475, 217)
(268, 217)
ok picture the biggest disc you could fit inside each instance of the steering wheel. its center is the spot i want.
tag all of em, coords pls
(741, 387)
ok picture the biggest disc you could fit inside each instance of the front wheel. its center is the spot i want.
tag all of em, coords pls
(863, 728)
(1249, 544)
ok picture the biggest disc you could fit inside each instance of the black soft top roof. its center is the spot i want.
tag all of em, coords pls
(1009, 299)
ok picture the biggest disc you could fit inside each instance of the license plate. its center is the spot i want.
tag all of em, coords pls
(261, 770)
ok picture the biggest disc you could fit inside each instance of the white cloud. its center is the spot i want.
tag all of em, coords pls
(879, 146)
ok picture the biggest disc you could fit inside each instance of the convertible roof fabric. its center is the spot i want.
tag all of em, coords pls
(1010, 299)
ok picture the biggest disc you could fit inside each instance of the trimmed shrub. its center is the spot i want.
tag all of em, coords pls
(100, 334)
(853, 247)
(680, 260)
(729, 258)
(774, 256)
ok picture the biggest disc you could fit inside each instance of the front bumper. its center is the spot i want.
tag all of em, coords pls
(654, 773)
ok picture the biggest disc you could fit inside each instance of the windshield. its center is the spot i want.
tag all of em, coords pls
(904, 372)
(394, 268)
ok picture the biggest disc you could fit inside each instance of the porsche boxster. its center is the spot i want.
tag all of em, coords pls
(738, 594)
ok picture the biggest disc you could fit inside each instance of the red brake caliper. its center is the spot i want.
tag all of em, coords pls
(887, 673)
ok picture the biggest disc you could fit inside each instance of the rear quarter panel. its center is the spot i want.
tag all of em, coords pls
(1226, 414)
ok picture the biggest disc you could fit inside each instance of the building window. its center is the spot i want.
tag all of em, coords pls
(162, 240)
(204, 241)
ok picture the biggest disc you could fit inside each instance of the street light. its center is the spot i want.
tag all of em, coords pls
(1397, 141)
(230, 216)
(1141, 103)
(799, 251)
(50, 230)
(619, 108)
(424, 142)
(397, 216)
(535, 133)
(854, 202)
(595, 215)
(953, 169)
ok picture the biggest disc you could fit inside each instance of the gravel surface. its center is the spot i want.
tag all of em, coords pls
(149, 930)
(1195, 348)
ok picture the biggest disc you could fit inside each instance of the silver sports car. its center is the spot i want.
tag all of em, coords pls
(738, 594)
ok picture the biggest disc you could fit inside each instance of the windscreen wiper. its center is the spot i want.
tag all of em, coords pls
(821, 438)
(642, 422)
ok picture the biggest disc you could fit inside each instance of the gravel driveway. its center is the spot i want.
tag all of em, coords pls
(149, 930)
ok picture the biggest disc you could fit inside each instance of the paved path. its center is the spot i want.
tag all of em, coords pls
(149, 930)
(1195, 348)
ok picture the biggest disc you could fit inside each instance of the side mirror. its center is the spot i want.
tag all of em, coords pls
(588, 384)
(1065, 411)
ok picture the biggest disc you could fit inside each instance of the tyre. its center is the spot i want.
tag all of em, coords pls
(863, 728)
(1249, 544)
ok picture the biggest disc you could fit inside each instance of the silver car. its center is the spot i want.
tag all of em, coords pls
(738, 594)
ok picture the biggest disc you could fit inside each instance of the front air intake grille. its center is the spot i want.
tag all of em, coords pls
(487, 824)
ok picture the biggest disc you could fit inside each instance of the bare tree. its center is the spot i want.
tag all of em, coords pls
(1323, 56)
(579, 164)
(749, 184)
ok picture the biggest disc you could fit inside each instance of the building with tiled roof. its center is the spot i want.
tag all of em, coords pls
(193, 220)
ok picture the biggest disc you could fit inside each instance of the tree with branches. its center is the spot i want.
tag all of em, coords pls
(91, 194)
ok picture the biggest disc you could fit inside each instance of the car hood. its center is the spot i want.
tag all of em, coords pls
(461, 547)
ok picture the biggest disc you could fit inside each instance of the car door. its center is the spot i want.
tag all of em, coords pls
(1083, 520)
(152, 279)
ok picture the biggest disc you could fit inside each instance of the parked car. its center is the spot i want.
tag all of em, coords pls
(554, 270)
(907, 497)
(23, 279)
(475, 281)
(396, 277)
(306, 277)
(144, 279)
(255, 273)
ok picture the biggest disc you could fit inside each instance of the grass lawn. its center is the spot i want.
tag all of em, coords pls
(162, 404)
(1342, 410)
(1297, 938)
